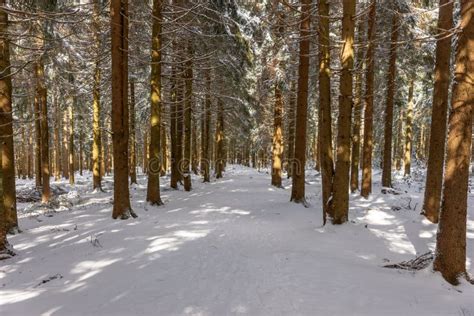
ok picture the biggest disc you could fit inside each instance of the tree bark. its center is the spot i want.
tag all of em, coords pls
(325, 119)
(133, 145)
(409, 130)
(205, 161)
(298, 172)
(277, 145)
(220, 155)
(434, 173)
(187, 120)
(8, 201)
(355, 153)
(340, 201)
(155, 161)
(119, 37)
(450, 258)
(97, 155)
(388, 129)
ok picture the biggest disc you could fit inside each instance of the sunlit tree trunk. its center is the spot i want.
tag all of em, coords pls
(355, 152)
(366, 184)
(388, 129)
(119, 47)
(57, 139)
(434, 173)
(154, 165)
(340, 201)
(8, 200)
(450, 258)
(97, 154)
(298, 172)
(325, 120)
(277, 145)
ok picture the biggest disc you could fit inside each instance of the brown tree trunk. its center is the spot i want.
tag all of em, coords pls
(450, 258)
(220, 155)
(97, 154)
(133, 145)
(57, 139)
(291, 130)
(7, 163)
(355, 153)
(325, 120)
(119, 47)
(388, 129)
(366, 185)
(155, 162)
(37, 117)
(71, 167)
(188, 77)
(298, 172)
(408, 130)
(434, 173)
(277, 145)
(206, 132)
(340, 202)
(174, 132)
(43, 107)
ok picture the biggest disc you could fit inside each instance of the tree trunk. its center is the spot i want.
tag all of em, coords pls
(71, 167)
(388, 129)
(8, 200)
(325, 120)
(43, 107)
(97, 155)
(355, 153)
(37, 116)
(155, 161)
(57, 139)
(205, 161)
(220, 156)
(133, 145)
(119, 46)
(298, 172)
(434, 173)
(408, 130)
(291, 129)
(340, 202)
(188, 77)
(450, 258)
(277, 145)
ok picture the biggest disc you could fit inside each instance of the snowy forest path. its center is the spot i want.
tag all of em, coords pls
(234, 246)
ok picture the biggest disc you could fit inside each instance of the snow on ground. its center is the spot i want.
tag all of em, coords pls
(235, 246)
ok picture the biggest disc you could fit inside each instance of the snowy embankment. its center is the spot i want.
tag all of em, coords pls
(234, 246)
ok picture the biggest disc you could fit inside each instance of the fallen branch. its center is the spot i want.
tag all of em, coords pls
(419, 263)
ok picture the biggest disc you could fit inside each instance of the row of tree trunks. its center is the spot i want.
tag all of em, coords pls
(220, 142)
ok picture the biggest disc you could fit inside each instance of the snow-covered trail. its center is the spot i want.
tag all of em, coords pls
(233, 246)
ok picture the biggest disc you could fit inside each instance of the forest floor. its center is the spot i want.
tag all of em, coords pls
(233, 246)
